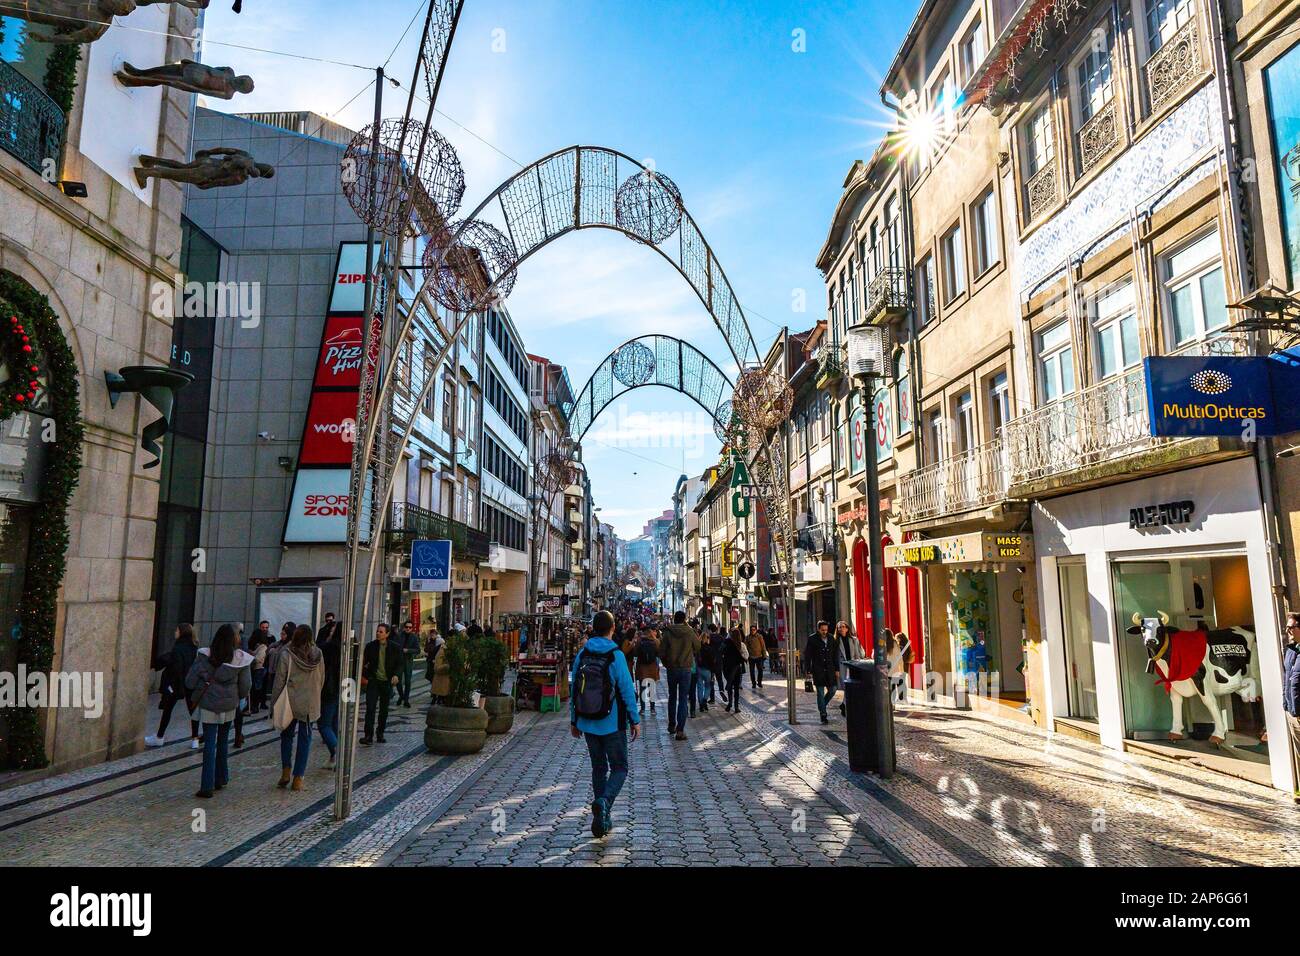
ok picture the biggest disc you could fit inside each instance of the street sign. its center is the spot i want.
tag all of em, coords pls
(430, 565)
(747, 570)
(728, 561)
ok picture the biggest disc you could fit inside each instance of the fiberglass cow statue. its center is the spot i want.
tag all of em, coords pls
(1206, 664)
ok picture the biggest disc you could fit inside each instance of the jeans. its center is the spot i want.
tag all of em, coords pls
(756, 672)
(404, 679)
(824, 697)
(608, 764)
(302, 730)
(216, 769)
(679, 689)
(378, 694)
(329, 725)
(704, 686)
(731, 693)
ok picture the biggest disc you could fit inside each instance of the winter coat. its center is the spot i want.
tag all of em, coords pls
(259, 642)
(370, 660)
(302, 673)
(432, 647)
(175, 666)
(855, 651)
(331, 648)
(678, 646)
(757, 646)
(821, 660)
(648, 671)
(231, 683)
(441, 678)
(731, 656)
(1291, 679)
(273, 653)
(624, 696)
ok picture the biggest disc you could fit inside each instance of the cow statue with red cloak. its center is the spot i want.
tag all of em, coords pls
(1206, 664)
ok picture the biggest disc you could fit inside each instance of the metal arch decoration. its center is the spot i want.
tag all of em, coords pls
(458, 273)
(723, 421)
(648, 207)
(634, 364)
(675, 364)
(412, 166)
(578, 188)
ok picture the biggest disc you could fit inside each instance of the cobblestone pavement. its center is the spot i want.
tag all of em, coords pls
(747, 789)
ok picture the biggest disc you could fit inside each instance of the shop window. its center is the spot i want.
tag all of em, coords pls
(1115, 330)
(1194, 291)
(1207, 601)
(1081, 677)
(1056, 361)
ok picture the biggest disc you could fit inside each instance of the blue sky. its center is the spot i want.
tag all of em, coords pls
(757, 136)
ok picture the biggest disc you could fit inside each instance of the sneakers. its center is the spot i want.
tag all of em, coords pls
(196, 744)
(598, 817)
(330, 764)
(151, 741)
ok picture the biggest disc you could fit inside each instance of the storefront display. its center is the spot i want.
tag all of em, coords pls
(1159, 619)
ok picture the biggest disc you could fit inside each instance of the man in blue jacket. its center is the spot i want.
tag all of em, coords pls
(606, 735)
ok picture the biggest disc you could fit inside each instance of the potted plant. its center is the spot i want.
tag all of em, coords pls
(491, 659)
(457, 726)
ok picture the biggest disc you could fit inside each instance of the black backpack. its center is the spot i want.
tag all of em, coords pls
(646, 652)
(593, 690)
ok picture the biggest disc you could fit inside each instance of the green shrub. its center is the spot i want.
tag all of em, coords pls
(490, 661)
(461, 675)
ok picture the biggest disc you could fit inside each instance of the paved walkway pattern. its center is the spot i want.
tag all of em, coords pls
(744, 789)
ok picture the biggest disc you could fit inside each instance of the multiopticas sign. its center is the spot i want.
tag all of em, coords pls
(1213, 395)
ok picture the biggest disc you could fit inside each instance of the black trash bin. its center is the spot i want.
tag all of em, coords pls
(866, 738)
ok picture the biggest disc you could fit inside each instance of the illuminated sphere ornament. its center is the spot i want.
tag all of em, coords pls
(648, 206)
(634, 364)
(475, 271)
(762, 399)
(385, 187)
(724, 420)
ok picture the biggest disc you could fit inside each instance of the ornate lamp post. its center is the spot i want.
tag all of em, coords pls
(868, 347)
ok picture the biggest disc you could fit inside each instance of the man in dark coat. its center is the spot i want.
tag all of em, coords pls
(821, 662)
(380, 663)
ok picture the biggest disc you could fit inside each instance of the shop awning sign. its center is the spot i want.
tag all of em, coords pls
(974, 547)
(430, 565)
(1217, 395)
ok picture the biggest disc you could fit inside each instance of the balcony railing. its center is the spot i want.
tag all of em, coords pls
(830, 370)
(410, 522)
(973, 479)
(1170, 67)
(1040, 191)
(561, 576)
(816, 540)
(31, 124)
(1098, 137)
(1101, 424)
(886, 294)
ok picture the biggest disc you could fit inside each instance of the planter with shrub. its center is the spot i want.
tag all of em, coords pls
(491, 659)
(457, 726)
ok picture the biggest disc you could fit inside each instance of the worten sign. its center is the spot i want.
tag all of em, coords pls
(431, 565)
(1222, 395)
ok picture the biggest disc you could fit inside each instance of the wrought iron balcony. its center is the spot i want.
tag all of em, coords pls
(886, 294)
(964, 482)
(1098, 137)
(1170, 68)
(815, 540)
(1040, 191)
(560, 576)
(31, 124)
(830, 370)
(1104, 424)
(409, 522)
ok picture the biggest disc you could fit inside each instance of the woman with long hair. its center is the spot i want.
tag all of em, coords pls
(175, 666)
(219, 679)
(299, 673)
(733, 656)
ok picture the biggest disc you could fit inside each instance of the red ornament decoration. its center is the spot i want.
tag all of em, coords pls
(16, 355)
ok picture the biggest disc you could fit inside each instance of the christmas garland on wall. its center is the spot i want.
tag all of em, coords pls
(48, 544)
(61, 75)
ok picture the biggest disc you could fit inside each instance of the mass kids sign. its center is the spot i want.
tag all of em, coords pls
(1220, 395)
(430, 565)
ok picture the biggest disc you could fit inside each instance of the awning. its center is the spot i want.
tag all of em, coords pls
(974, 547)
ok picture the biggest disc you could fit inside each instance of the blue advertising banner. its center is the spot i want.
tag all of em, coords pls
(1210, 395)
(430, 565)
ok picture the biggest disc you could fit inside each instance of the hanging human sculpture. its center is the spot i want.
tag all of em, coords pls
(190, 76)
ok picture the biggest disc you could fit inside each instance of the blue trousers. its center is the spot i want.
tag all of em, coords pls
(704, 686)
(302, 730)
(216, 748)
(824, 697)
(679, 692)
(608, 764)
(329, 724)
